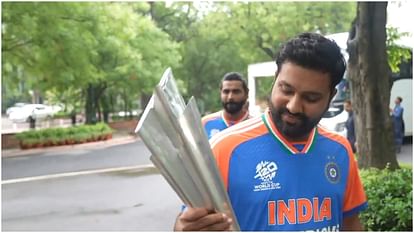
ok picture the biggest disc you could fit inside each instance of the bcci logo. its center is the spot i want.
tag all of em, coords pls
(266, 171)
(332, 172)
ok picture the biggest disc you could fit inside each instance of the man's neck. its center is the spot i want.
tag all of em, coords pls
(297, 140)
(234, 117)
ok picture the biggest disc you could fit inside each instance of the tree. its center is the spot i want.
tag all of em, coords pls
(265, 25)
(83, 50)
(229, 36)
(114, 53)
(370, 79)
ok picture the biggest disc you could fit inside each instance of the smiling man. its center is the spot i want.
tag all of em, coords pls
(282, 172)
(233, 95)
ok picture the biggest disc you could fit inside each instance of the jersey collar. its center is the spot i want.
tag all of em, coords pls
(230, 123)
(283, 141)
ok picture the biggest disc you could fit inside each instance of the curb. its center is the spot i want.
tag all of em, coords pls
(102, 144)
(146, 168)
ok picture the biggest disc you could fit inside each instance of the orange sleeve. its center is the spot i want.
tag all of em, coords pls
(354, 193)
(222, 152)
(208, 117)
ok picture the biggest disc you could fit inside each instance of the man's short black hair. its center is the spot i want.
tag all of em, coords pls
(234, 76)
(399, 98)
(313, 51)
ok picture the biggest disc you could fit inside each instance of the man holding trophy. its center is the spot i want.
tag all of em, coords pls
(281, 171)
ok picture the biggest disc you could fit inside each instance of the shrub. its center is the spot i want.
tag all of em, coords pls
(61, 136)
(102, 128)
(122, 118)
(61, 114)
(390, 203)
(29, 139)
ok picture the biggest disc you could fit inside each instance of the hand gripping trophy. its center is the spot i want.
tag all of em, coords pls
(173, 133)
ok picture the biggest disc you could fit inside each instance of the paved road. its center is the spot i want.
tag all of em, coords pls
(126, 200)
(406, 154)
(120, 201)
(56, 160)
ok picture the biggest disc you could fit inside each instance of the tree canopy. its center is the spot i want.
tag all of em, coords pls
(62, 47)
(111, 54)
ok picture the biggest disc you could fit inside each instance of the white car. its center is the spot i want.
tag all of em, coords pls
(16, 106)
(34, 111)
(334, 120)
(124, 114)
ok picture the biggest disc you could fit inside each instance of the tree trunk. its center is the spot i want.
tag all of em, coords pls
(73, 117)
(370, 78)
(125, 98)
(90, 108)
(105, 107)
(98, 109)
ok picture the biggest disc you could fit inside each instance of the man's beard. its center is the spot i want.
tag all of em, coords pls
(233, 107)
(300, 129)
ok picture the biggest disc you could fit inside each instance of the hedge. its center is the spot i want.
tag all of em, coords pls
(390, 203)
(64, 136)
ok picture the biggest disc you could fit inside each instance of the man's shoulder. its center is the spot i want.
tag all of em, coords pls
(335, 137)
(211, 116)
(240, 132)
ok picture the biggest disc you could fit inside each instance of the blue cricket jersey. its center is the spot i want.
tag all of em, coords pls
(274, 185)
(216, 122)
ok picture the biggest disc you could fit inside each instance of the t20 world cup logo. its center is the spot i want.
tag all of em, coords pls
(266, 170)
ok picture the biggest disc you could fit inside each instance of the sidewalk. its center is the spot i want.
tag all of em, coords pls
(406, 154)
(118, 138)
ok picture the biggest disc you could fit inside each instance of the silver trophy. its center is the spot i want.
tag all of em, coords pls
(173, 133)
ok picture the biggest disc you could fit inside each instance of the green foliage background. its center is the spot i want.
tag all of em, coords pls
(390, 199)
(107, 56)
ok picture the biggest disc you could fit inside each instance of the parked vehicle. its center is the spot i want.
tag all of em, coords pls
(334, 119)
(16, 106)
(34, 111)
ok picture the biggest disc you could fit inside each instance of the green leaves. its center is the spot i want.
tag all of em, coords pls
(73, 44)
(390, 201)
(127, 46)
(396, 53)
